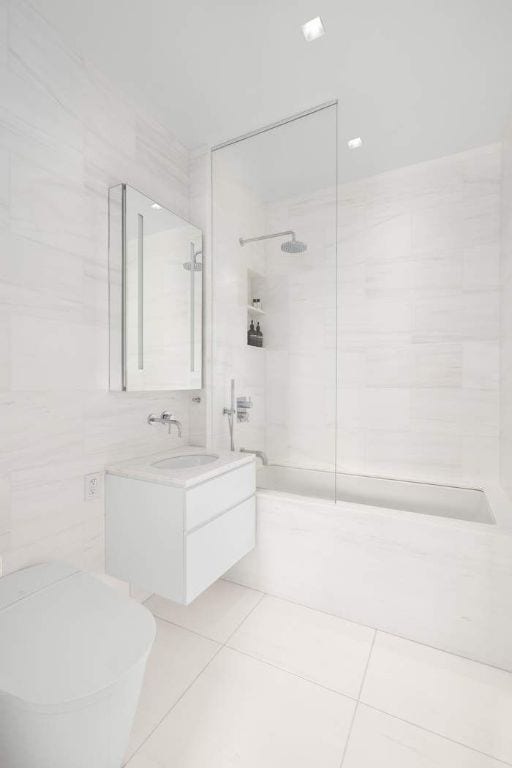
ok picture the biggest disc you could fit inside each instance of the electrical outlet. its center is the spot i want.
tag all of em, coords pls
(93, 486)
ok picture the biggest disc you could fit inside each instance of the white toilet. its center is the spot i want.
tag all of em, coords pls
(72, 660)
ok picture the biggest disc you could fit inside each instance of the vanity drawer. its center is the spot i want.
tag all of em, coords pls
(205, 501)
(212, 549)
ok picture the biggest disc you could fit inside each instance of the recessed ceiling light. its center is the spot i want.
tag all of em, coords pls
(156, 207)
(313, 29)
(355, 143)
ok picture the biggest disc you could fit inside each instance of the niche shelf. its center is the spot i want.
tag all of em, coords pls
(255, 311)
(255, 290)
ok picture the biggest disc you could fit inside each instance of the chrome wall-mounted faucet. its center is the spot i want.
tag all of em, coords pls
(165, 418)
(260, 454)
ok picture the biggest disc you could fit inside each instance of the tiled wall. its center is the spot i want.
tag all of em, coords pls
(237, 212)
(301, 335)
(418, 322)
(65, 137)
(506, 319)
(419, 319)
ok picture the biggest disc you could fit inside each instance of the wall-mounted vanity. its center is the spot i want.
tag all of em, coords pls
(178, 521)
(155, 266)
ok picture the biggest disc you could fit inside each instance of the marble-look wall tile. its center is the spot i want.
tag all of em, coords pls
(417, 332)
(66, 136)
(506, 318)
(419, 325)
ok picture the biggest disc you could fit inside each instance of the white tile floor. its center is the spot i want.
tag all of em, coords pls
(246, 680)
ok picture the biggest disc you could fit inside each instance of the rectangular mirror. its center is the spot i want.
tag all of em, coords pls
(156, 291)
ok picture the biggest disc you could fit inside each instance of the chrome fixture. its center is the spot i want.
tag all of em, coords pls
(193, 265)
(230, 412)
(196, 399)
(165, 418)
(243, 406)
(289, 246)
(260, 454)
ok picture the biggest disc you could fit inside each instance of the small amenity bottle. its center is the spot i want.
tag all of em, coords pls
(259, 336)
(251, 335)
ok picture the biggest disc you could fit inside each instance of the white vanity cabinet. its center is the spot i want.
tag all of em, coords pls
(176, 539)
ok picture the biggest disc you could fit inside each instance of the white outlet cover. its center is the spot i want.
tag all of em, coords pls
(93, 486)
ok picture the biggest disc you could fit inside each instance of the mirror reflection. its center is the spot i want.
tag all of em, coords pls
(161, 304)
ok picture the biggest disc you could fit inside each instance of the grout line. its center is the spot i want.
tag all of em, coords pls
(349, 734)
(367, 665)
(186, 629)
(159, 723)
(358, 702)
(434, 733)
(262, 597)
(376, 629)
(289, 672)
(189, 686)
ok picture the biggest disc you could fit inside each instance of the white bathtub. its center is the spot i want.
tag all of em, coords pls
(457, 502)
(429, 562)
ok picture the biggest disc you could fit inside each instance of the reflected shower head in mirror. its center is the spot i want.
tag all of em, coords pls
(193, 265)
(289, 246)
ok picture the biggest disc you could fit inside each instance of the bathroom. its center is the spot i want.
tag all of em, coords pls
(256, 365)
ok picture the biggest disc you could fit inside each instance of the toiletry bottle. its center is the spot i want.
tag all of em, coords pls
(251, 335)
(259, 336)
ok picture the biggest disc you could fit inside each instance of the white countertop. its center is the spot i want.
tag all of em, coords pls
(142, 467)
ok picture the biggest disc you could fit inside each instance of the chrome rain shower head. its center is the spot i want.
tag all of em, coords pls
(293, 246)
(289, 246)
(193, 265)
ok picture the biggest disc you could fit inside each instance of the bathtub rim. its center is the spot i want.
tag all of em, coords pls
(498, 501)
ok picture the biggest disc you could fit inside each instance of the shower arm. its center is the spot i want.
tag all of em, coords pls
(287, 232)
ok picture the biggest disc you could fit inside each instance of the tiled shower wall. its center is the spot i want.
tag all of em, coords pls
(506, 319)
(418, 322)
(237, 212)
(301, 335)
(419, 319)
(65, 136)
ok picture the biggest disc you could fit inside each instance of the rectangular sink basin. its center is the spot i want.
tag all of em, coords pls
(186, 461)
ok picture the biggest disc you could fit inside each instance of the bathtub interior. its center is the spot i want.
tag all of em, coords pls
(459, 503)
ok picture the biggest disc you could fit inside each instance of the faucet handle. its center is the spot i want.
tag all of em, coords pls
(166, 415)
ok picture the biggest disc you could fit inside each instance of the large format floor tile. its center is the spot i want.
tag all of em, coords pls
(314, 645)
(243, 712)
(380, 740)
(215, 614)
(176, 659)
(142, 761)
(454, 697)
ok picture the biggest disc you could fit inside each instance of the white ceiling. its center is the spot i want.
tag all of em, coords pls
(416, 78)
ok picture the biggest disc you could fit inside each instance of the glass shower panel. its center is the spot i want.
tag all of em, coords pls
(274, 205)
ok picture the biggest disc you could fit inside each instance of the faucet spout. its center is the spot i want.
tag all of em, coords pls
(170, 422)
(165, 418)
(260, 454)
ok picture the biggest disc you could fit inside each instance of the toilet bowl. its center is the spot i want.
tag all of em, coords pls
(72, 659)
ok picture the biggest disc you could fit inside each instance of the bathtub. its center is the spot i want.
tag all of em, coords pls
(457, 502)
(426, 561)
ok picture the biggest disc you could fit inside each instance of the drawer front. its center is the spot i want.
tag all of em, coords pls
(209, 499)
(212, 549)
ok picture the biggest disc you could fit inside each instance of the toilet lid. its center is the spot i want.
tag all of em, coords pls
(64, 635)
